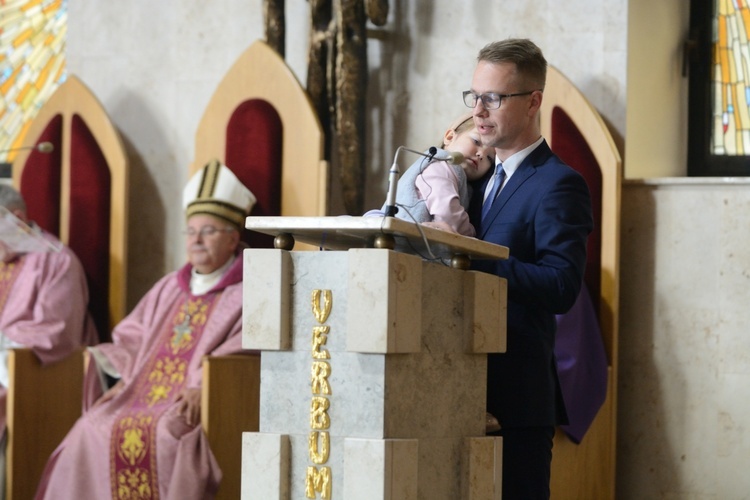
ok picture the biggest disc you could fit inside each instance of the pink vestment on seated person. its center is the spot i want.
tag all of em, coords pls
(43, 306)
(137, 441)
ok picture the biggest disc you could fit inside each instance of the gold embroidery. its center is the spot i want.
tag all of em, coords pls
(133, 446)
(168, 369)
(133, 484)
(191, 315)
(157, 393)
(166, 374)
(134, 438)
(197, 310)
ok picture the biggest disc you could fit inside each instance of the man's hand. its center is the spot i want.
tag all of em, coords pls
(189, 405)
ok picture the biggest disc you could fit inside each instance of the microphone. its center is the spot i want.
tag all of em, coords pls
(450, 156)
(390, 197)
(390, 200)
(453, 157)
(42, 147)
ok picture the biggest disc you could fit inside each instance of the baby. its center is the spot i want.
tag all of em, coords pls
(436, 192)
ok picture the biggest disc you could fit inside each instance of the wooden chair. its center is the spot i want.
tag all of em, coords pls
(580, 137)
(261, 124)
(259, 116)
(79, 193)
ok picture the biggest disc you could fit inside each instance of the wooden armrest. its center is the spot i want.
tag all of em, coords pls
(43, 404)
(230, 405)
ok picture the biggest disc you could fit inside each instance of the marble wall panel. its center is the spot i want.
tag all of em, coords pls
(684, 344)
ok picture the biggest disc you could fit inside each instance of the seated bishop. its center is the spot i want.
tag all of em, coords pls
(43, 297)
(142, 437)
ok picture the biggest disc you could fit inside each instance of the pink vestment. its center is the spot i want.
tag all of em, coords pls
(45, 306)
(179, 463)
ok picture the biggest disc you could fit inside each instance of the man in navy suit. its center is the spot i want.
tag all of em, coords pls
(540, 209)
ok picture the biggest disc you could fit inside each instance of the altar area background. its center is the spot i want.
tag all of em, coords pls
(684, 260)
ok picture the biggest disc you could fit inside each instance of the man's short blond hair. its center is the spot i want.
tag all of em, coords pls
(525, 54)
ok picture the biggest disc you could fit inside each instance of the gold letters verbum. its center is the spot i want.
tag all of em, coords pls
(318, 478)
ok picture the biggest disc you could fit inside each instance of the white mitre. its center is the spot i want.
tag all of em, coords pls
(215, 190)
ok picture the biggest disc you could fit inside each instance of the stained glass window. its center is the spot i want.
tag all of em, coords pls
(731, 77)
(717, 55)
(32, 63)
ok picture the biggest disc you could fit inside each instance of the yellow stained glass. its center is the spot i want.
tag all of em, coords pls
(32, 63)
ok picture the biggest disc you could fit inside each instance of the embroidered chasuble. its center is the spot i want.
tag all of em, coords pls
(43, 307)
(44, 303)
(133, 451)
(137, 445)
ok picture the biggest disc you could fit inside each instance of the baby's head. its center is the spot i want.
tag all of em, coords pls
(463, 138)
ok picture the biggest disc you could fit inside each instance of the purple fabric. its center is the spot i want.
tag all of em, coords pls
(581, 365)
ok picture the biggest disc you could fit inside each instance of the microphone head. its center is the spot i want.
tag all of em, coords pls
(45, 147)
(454, 157)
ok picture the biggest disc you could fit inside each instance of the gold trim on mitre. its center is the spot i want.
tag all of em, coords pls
(209, 179)
(215, 190)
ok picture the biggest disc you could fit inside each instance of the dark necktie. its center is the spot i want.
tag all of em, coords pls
(499, 178)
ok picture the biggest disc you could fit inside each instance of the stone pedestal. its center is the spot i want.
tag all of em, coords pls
(373, 376)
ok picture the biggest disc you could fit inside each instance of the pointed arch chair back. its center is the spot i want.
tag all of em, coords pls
(261, 124)
(77, 192)
(578, 134)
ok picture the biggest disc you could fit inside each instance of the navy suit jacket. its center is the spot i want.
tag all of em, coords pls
(543, 215)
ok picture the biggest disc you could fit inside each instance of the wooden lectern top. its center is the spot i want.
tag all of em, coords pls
(345, 232)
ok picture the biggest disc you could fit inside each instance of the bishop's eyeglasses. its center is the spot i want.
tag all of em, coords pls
(206, 231)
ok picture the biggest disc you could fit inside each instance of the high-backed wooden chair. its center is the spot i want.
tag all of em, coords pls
(79, 193)
(261, 124)
(580, 137)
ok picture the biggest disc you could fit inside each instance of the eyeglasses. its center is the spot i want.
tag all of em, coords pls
(206, 231)
(490, 100)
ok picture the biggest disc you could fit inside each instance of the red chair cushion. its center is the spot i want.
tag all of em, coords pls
(89, 205)
(254, 142)
(570, 145)
(90, 192)
(41, 179)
